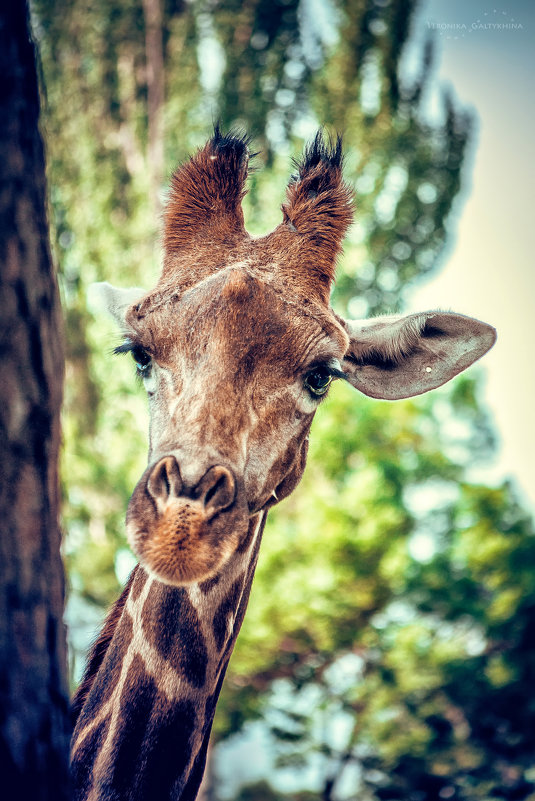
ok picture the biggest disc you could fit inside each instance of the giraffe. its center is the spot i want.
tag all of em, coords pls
(236, 345)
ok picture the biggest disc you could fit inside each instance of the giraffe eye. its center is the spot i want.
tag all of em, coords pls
(142, 360)
(318, 380)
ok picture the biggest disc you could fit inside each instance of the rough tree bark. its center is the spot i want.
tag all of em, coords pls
(34, 721)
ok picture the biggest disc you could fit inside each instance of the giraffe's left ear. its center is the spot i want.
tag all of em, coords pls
(399, 357)
(115, 301)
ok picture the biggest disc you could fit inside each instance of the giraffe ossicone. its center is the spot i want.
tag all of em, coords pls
(237, 345)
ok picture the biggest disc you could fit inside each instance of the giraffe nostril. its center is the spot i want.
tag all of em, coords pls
(216, 490)
(164, 480)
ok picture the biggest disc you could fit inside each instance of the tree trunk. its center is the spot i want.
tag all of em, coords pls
(34, 723)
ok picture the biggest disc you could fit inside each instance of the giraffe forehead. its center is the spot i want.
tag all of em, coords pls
(237, 316)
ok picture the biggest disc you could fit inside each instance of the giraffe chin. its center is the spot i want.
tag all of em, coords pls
(184, 545)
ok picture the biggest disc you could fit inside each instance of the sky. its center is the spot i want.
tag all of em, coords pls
(486, 52)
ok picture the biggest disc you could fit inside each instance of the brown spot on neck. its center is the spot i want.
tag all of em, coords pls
(171, 625)
(139, 579)
(208, 585)
(225, 610)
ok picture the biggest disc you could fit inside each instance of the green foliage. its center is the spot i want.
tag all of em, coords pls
(391, 621)
(261, 791)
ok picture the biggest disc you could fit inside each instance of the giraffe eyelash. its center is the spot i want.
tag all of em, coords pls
(141, 356)
(124, 347)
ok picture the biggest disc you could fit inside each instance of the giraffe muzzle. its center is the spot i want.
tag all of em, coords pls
(182, 534)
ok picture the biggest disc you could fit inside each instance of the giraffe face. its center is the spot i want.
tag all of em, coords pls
(234, 373)
(237, 346)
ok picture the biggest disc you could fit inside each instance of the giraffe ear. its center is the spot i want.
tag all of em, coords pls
(105, 297)
(399, 357)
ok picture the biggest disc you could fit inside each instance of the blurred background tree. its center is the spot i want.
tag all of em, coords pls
(387, 652)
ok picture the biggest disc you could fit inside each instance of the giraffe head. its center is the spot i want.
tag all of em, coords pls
(237, 346)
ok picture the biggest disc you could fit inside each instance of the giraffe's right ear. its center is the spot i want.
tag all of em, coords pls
(105, 297)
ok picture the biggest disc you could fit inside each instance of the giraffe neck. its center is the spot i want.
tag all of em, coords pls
(148, 698)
